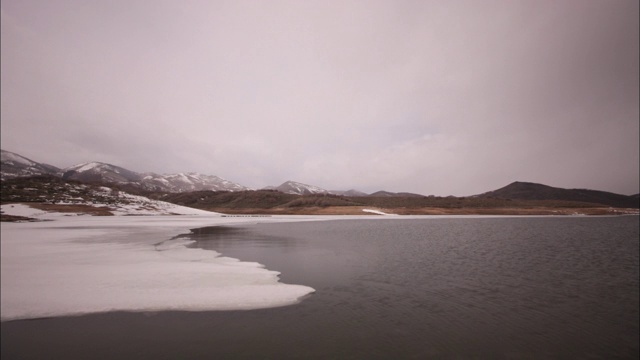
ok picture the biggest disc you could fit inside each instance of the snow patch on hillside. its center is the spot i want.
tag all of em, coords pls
(7, 156)
(27, 211)
(372, 211)
(296, 188)
(86, 166)
(118, 203)
(190, 181)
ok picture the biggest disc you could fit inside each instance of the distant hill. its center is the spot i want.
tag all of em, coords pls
(258, 199)
(351, 192)
(393, 194)
(531, 191)
(297, 188)
(254, 199)
(191, 181)
(99, 172)
(293, 187)
(13, 165)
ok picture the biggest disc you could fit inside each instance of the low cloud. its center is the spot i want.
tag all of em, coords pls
(432, 97)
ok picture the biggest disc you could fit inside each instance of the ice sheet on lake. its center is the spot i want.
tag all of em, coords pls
(77, 265)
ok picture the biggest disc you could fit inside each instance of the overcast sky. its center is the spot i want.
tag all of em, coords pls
(433, 97)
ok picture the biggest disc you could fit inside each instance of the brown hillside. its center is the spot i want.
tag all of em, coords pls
(532, 191)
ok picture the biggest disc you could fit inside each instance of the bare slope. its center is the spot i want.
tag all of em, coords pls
(531, 191)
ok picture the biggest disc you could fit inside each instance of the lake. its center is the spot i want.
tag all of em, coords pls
(467, 287)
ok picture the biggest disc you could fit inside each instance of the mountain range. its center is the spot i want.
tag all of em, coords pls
(14, 166)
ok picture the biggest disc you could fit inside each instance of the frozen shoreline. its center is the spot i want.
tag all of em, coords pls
(84, 264)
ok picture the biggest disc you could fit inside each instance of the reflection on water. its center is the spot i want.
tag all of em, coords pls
(222, 236)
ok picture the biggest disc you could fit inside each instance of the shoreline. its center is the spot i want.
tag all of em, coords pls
(378, 211)
(365, 211)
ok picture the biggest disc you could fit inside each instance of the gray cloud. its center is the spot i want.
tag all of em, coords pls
(455, 97)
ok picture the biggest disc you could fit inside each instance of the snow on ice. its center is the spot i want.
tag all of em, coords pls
(85, 264)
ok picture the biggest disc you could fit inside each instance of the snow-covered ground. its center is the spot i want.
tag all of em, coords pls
(128, 204)
(372, 211)
(85, 264)
(117, 202)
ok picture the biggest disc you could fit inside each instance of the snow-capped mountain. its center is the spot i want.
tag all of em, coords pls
(14, 165)
(296, 188)
(99, 172)
(183, 182)
(292, 187)
(351, 192)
